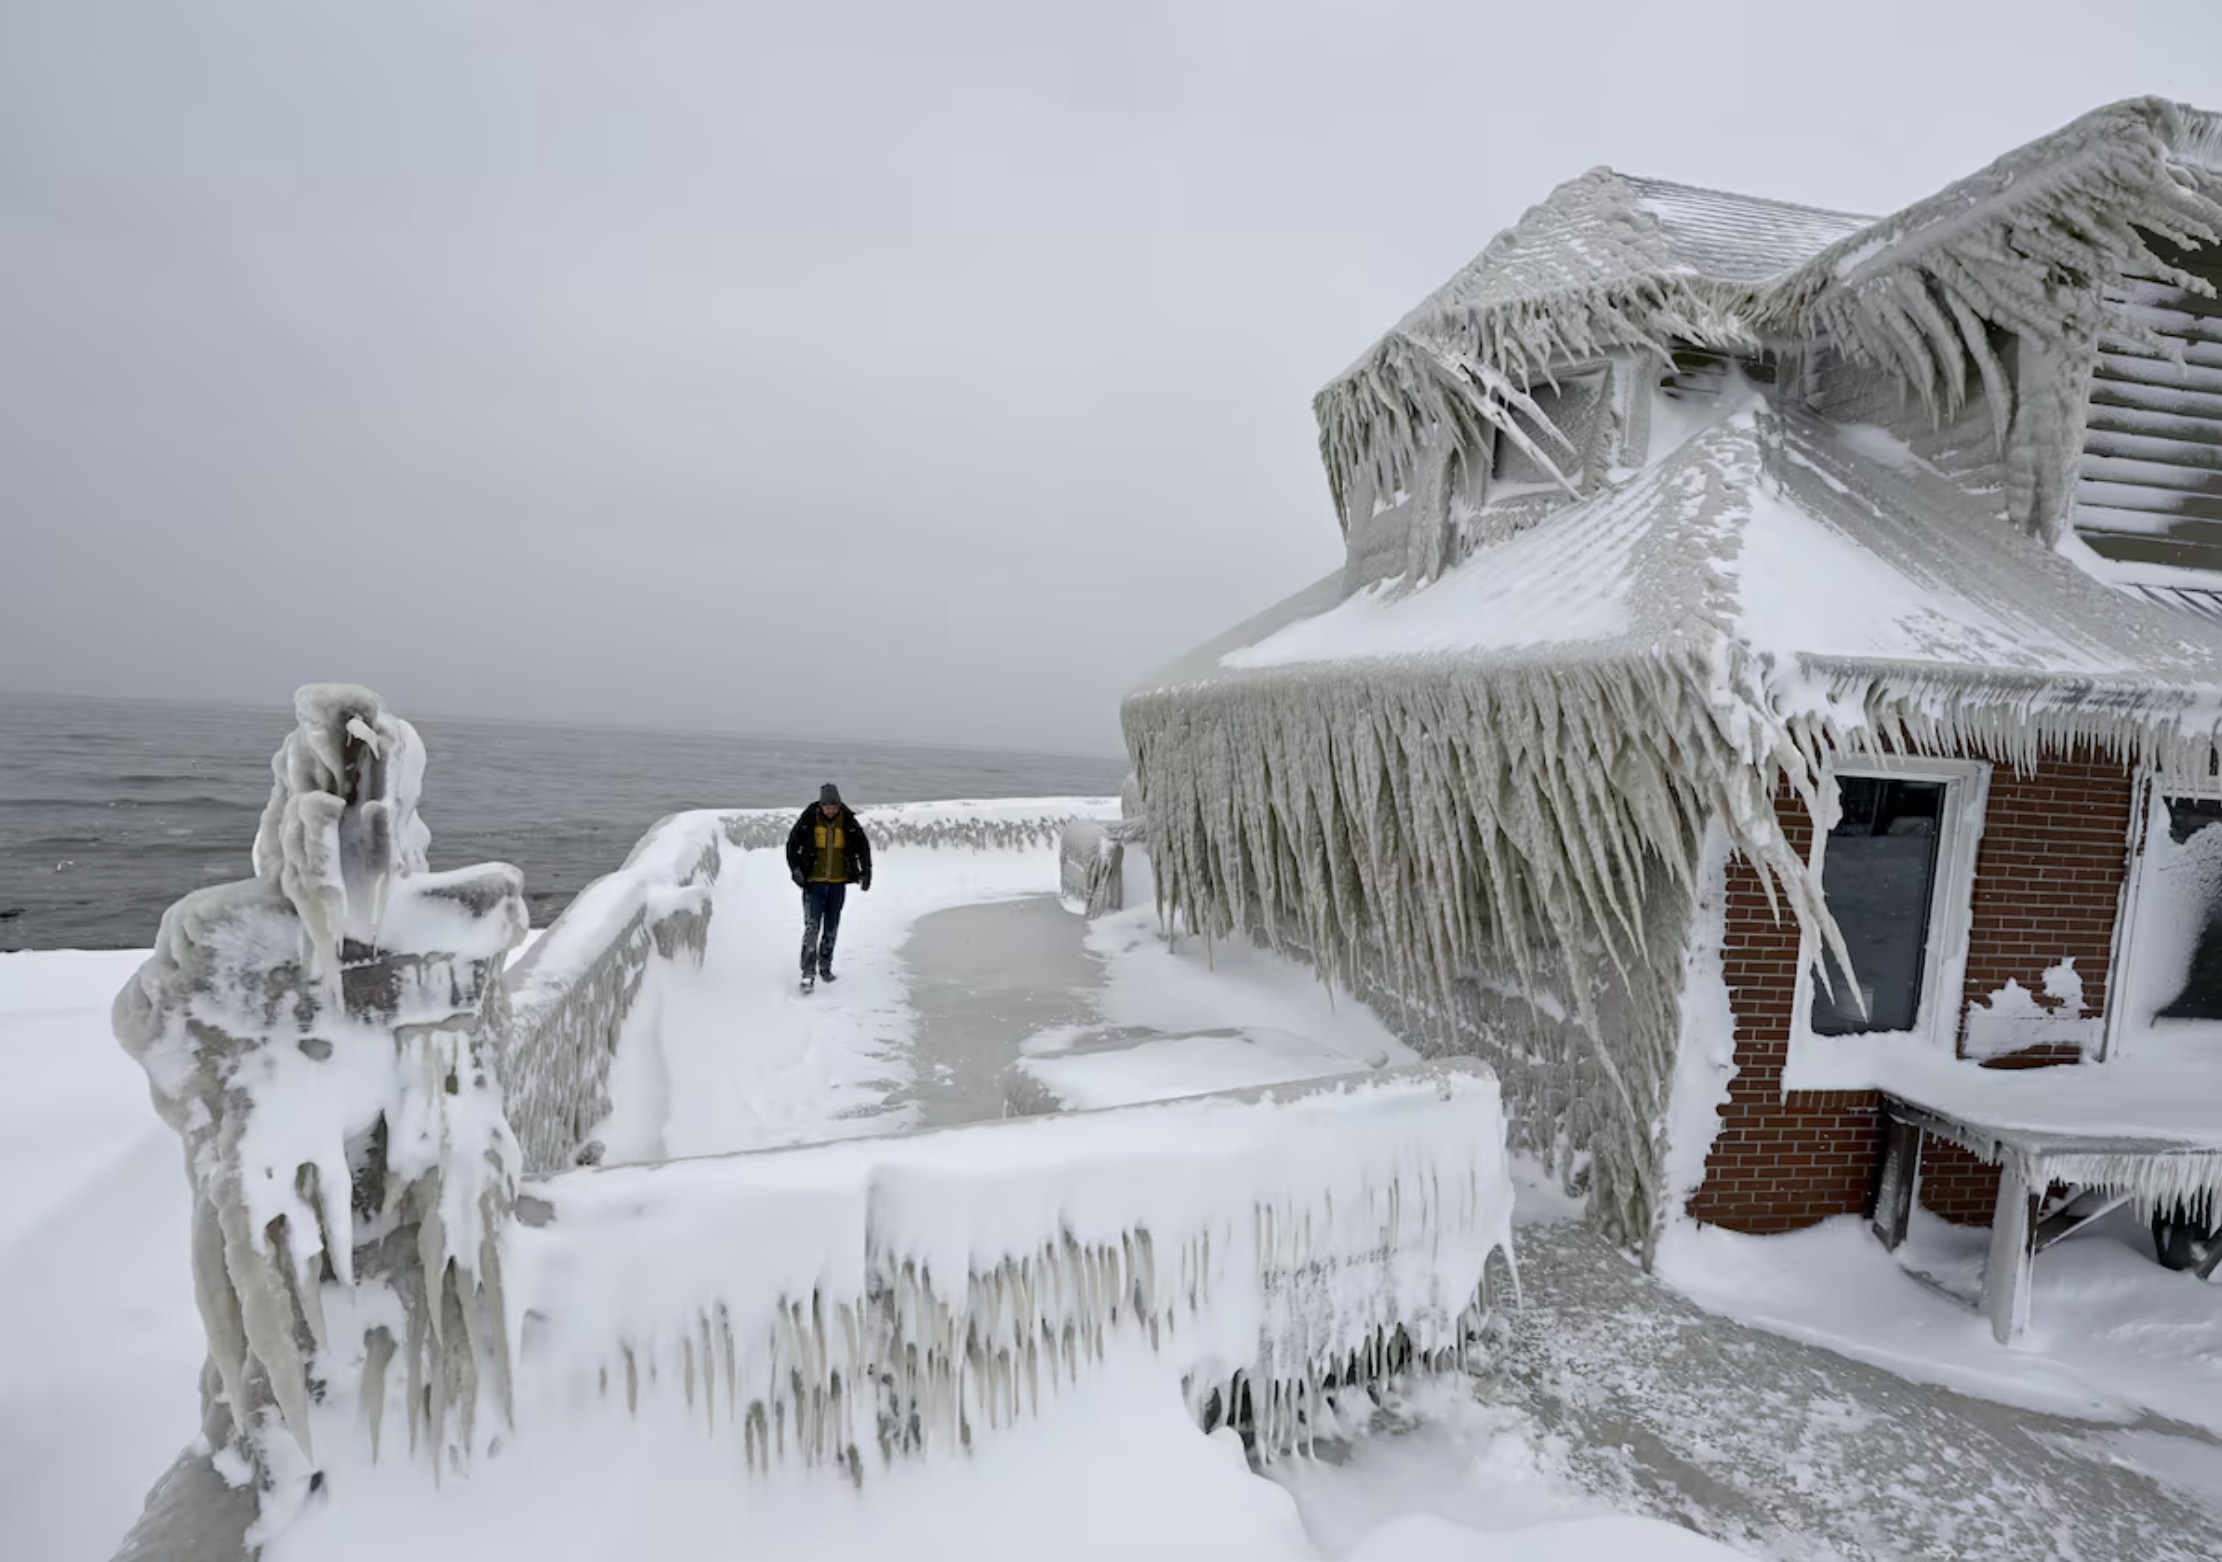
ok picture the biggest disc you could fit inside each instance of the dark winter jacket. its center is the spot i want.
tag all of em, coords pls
(802, 845)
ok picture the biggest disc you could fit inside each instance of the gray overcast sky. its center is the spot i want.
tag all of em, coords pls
(925, 372)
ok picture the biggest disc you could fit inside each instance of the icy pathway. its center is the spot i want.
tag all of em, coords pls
(1799, 1453)
(748, 1062)
(953, 962)
(982, 980)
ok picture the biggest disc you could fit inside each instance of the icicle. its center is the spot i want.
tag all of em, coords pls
(1331, 1254)
(378, 1349)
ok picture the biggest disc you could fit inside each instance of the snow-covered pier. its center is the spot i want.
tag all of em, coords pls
(437, 1206)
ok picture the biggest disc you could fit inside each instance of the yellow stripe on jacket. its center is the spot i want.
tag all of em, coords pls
(833, 854)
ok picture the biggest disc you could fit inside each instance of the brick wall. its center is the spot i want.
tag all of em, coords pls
(2048, 878)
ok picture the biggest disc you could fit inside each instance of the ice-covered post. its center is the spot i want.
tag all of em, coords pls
(322, 1037)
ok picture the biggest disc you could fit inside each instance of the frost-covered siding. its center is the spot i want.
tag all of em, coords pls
(1962, 444)
(2048, 880)
(2150, 486)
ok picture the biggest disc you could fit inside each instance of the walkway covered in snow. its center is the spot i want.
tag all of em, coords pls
(1613, 1389)
(968, 991)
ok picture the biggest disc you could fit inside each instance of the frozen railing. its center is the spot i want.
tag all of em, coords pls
(999, 824)
(572, 993)
(1091, 858)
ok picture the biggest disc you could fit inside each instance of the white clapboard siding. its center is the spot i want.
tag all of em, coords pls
(2150, 489)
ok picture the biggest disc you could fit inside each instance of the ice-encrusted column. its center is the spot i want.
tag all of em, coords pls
(323, 1039)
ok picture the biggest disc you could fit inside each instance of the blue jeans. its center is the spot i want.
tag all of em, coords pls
(821, 920)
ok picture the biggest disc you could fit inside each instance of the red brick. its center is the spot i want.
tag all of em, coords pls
(2048, 879)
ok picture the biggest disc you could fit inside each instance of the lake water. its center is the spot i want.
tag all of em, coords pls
(112, 809)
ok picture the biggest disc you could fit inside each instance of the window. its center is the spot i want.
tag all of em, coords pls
(1693, 374)
(1577, 407)
(2201, 995)
(2147, 489)
(1896, 868)
(1879, 875)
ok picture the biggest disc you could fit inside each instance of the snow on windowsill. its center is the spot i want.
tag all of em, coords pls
(1852, 1062)
(2173, 1095)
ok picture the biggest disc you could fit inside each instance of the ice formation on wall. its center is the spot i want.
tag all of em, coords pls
(909, 1294)
(1439, 849)
(1092, 865)
(1130, 801)
(2031, 247)
(572, 992)
(322, 1039)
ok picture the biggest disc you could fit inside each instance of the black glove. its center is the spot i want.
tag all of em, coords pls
(800, 882)
(865, 884)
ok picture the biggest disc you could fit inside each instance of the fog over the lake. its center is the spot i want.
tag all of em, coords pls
(880, 371)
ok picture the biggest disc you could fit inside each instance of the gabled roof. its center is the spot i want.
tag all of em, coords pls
(1608, 229)
(1739, 238)
(2028, 245)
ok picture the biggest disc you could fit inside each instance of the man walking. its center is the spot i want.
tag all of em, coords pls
(826, 853)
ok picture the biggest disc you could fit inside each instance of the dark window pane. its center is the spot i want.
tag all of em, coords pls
(2187, 816)
(1879, 875)
(2201, 998)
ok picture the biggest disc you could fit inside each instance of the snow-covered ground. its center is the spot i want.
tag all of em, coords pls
(100, 1345)
(2114, 1337)
(1602, 1370)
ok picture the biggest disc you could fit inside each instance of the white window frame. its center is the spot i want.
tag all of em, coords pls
(1814, 1058)
(1594, 456)
(2148, 813)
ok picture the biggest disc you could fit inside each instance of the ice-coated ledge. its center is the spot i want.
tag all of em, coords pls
(915, 1290)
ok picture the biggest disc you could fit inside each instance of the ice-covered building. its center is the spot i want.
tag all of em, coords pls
(1692, 536)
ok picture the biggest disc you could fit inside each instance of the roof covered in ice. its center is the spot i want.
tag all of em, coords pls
(1608, 229)
(2029, 245)
(1838, 563)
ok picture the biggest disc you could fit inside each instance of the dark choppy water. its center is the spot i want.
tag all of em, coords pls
(110, 809)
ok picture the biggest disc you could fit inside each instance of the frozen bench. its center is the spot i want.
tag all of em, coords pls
(2030, 1134)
